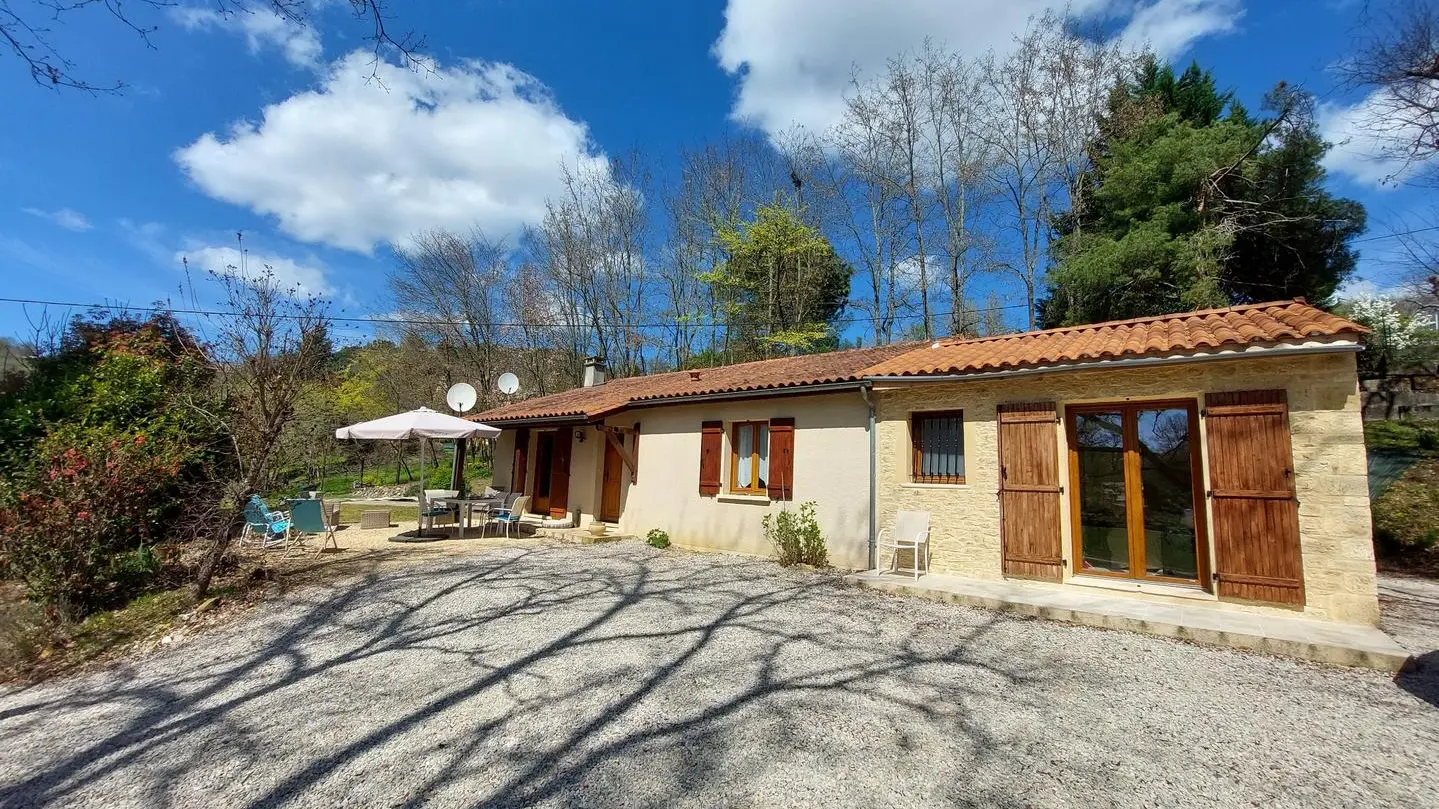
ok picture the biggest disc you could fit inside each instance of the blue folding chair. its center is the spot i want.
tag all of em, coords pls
(266, 528)
(308, 517)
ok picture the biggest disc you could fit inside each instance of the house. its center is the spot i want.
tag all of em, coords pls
(702, 454)
(1212, 457)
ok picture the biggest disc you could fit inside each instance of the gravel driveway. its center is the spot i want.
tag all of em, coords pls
(616, 675)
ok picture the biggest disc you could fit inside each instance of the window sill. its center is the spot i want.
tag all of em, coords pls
(731, 497)
(912, 485)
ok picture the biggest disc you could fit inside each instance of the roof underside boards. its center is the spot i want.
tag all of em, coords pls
(1238, 327)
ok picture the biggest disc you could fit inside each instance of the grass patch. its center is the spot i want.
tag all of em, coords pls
(1406, 520)
(350, 512)
(1419, 437)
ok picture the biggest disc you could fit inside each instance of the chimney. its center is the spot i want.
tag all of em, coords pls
(594, 371)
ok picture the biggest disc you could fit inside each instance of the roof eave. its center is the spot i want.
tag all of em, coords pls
(1252, 352)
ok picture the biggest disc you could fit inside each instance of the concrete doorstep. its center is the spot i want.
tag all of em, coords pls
(1304, 638)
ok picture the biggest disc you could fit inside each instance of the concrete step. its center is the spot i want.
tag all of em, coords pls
(1304, 638)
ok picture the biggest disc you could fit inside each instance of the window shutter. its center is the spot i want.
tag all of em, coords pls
(1029, 491)
(781, 459)
(711, 445)
(1251, 490)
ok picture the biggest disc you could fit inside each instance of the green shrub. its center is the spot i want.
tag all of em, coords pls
(657, 538)
(1429, 440)
(796, 536)
(77, 529)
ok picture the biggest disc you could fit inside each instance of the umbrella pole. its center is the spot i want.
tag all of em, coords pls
(420, 532)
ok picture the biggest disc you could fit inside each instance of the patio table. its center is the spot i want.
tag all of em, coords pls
(466, 506)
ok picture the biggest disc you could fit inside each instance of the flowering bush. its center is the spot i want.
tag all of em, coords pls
(77, 526)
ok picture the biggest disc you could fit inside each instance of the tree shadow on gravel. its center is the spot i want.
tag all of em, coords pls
(551, 676)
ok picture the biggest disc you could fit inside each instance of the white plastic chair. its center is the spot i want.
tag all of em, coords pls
(910, 533)
(431, 514)
(505, 517)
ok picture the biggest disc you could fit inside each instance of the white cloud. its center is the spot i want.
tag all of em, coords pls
(305, 279)
(357, 161)
(262, 27)
(1360, 132)
(67, 218)
(794, 64)
(1170, 27)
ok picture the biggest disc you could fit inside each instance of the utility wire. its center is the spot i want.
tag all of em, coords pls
(1394, 235)
(396, 321)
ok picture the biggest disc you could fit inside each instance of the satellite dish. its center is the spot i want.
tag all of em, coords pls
(508, 383)
(461, 396)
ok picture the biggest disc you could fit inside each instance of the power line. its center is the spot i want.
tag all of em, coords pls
(397, 321)
(1395, 235)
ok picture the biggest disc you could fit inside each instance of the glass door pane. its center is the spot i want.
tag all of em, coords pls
(1103, 509)
(1167, 479)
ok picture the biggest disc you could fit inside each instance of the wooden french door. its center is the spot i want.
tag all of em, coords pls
(614, 471)
(1137, 496)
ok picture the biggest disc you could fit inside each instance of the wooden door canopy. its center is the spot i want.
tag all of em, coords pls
(1251, 491)
(1029, 490)
(614, 436)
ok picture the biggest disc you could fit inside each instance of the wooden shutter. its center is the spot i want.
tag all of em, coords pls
(711, 446)
(519, 467)
(781, 459)
(560, 472)
(1251, 490)
(1029, 491)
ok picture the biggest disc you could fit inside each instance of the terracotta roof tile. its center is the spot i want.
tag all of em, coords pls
(1235, 327)
(617, 394)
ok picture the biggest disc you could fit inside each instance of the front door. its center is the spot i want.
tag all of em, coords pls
(544, 465)
(613, 474)
(1137, 506)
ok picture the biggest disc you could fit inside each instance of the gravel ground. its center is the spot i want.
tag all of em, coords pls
(616, 675)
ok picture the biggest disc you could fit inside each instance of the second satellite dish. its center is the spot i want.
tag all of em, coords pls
(461, 396)
(508, 383)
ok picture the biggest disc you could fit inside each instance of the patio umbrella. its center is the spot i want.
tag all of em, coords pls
(420, 423)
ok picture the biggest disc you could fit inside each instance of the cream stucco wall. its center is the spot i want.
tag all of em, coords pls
(831, 467)
(1329, 457)
(831, 459)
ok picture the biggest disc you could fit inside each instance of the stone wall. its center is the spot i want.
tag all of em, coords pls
(1329, 457)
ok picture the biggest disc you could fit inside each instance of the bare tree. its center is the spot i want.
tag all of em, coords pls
(450, 290)
(864, 183)
(264, 352)
(1397, 60)
(26, 27)
(953, 114)
(1045, 97)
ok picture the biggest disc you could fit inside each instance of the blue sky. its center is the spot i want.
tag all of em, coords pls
(248, 124)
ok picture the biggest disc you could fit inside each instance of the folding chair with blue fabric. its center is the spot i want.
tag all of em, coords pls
(308, 517)
(263, 527)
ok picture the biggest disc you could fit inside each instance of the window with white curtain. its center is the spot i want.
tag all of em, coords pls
(749, 457)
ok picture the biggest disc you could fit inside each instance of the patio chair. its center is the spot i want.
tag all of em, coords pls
(263, 527)
(308, 518)
(434, 514)
(506, 517)
(909, 533)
